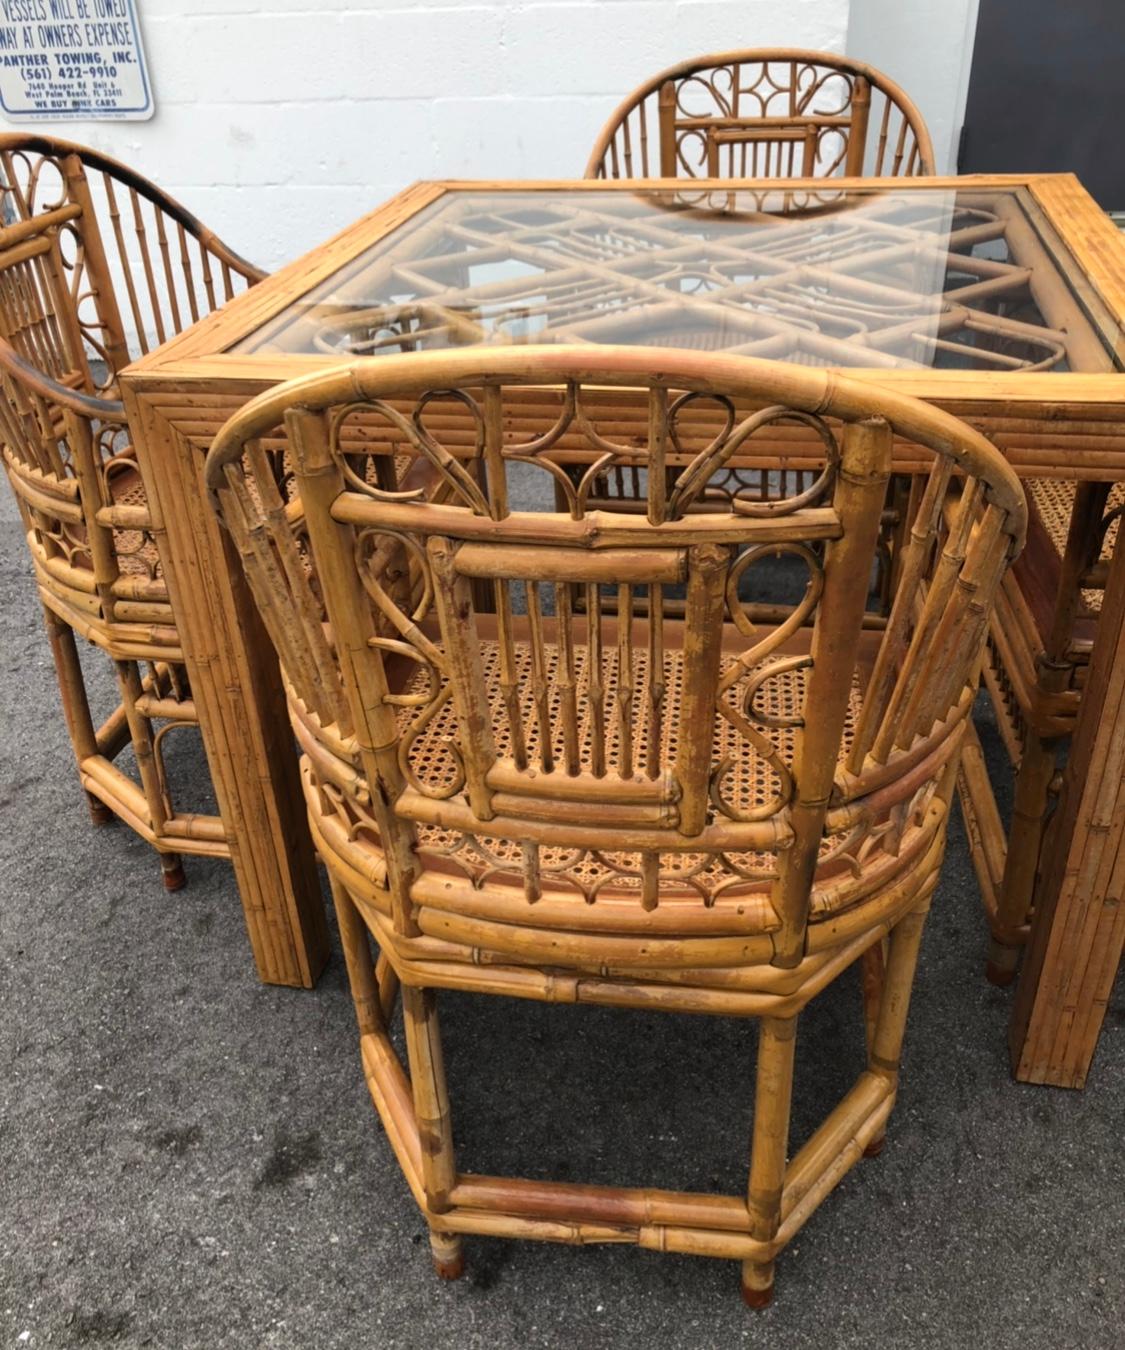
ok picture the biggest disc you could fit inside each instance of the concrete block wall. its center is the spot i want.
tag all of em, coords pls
(279, 121)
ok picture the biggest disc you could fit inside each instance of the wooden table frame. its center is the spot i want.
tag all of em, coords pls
(1061, 425)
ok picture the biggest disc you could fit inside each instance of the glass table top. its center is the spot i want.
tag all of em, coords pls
(874, 278)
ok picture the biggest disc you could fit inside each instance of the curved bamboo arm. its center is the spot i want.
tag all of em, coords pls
(39, 382)
(17, 142)
(895, 93)
(806, 388)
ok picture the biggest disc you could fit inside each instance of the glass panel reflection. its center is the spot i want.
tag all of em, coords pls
(929, 278)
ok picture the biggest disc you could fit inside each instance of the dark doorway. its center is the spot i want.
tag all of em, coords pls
(1047, 93)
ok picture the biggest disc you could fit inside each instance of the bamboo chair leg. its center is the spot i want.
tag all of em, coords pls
(140, 734)
(1021, 863)
(386, 977)
(777, 1041)
(372, 997)
(873, 975)
(76, 705)
(872, 967)
(172, 871)
(431, 1110)
(100, 814)
(357, 957)
(898, 981)
(447, 1254)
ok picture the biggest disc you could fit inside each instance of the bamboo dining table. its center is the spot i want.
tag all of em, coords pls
(1000, 298)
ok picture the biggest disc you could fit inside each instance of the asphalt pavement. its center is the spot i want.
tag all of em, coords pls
(190, 1159)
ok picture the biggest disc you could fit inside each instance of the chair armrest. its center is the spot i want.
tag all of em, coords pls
(39, 382)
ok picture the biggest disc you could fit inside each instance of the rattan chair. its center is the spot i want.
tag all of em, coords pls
(1040, 640)
(97, 264)
(766, 113)
(690, 796)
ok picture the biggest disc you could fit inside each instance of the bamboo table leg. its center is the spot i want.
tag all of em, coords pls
(1078, 928)
(238, 695)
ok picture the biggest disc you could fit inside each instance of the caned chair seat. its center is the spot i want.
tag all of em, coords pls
(591, 892)
(764, 113)
(661, 750)
(97, 264)
(1051, 502)
(135, 547)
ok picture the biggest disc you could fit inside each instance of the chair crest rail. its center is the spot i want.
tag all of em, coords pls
(761, 113)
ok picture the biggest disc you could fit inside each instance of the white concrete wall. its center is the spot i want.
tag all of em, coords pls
(927, 47)
(279, 121)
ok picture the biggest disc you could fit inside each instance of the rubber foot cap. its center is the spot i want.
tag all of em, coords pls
(175, 878)
(757, 1298)
(449, 1270)
(875, 1147)
(1000, 976)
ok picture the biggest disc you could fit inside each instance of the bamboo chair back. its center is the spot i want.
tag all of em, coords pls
(81, 231)
(48, 462)
(139, 267)
(60, 451)
(35, 311)
(96, 264)
(568, 718)
(768, 113)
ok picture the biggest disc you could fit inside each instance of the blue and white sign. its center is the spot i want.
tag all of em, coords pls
(72, 60)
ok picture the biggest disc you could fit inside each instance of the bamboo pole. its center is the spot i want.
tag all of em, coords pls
(861, 484)
(772, 1099)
